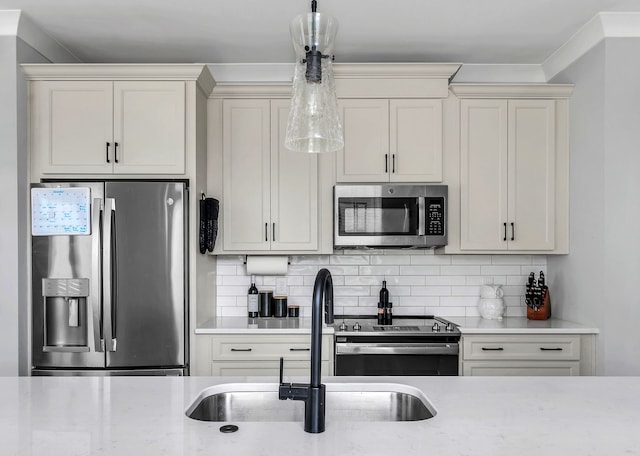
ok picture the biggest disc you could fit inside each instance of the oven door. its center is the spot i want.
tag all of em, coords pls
(428, 358)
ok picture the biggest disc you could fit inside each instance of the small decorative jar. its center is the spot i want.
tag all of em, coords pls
(491, 305)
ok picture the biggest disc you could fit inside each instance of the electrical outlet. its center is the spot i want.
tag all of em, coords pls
(281, 286)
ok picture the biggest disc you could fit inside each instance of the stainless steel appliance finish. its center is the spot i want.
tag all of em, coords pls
(373, 402)
(114, 302)
(423, 345)
(390, 215)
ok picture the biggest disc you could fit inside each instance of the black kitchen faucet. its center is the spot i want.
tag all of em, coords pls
(313, 394)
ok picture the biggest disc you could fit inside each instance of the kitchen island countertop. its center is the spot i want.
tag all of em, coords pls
(475, 416)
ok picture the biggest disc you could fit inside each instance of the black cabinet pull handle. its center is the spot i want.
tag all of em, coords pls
(240, 349)
(273, 232)
(299, 349)
(551, 349)
(107, 151)
(266, 232)
(115, 151)
(386, 163)
(492, 348)
(505, 231)
(513, 231)
(393, 159)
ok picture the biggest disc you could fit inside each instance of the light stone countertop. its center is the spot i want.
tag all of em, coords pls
(475, 416)
(520, 325)
(260, 325)
(468, 325)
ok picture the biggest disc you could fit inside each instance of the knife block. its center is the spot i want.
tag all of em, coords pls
(544, 311)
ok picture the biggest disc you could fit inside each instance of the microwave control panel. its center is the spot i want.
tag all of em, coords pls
(435, 216)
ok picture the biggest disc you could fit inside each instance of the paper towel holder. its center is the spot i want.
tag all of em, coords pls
(246, 256)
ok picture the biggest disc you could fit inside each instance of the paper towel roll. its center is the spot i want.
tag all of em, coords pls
(267, 265)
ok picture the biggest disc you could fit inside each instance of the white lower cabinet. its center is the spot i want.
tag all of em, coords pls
(258, 355)
(536, 354)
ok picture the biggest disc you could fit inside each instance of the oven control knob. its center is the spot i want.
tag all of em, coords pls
(450, 327)
(435, 327)
(357, 327)
(343, 326)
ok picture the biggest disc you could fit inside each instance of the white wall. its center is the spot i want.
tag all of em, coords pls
(419, 282)
(14, 178)
(10, 293)
(596, 283)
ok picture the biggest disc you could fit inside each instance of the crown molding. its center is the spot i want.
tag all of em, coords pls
(252, 90)
(123, 71)
(603, 25)
(395, 70)
(512, 90)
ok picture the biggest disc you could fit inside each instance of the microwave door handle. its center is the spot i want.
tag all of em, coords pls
(421, 216)
(94, 320)
(108, 274)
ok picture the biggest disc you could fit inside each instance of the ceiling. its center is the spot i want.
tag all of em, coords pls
(244, 31)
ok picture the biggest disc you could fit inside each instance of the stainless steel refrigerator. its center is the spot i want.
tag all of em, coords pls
(109, 278)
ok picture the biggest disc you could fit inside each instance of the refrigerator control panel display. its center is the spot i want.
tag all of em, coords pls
(60, 211)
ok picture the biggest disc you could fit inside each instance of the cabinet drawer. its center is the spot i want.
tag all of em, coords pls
(518, 368)
(521, 347)
(265, 369)
(266, 347)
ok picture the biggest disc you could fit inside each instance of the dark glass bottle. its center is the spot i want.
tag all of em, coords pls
(384, 294)
(388, 314)
(252, 299)
(383, 303)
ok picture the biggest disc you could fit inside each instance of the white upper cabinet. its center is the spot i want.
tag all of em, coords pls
(294, 189)
(104, 127)
(390, 140)
(246, 174)
(507, 174)
(509, 180)
(270, 193)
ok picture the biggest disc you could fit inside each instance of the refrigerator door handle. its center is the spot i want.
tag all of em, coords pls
(109, 276)
(95, 296)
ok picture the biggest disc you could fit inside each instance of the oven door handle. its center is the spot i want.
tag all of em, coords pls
(435, 348)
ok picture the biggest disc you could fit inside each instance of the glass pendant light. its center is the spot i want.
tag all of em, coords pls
(314, 123)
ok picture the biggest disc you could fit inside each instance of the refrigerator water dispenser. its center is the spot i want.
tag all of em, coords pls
(65, 315)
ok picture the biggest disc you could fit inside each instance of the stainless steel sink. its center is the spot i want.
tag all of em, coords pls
(239, 402)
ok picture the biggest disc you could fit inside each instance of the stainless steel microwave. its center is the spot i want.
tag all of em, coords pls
(389, 215)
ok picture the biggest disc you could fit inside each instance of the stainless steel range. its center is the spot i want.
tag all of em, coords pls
(412, 345)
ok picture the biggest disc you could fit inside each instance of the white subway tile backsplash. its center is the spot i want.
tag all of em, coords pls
(500, 270)
(460, 270)
(363, 280)
(445, 280)
(379, 270)
(349, 259)
(236, 280)
(459, 301)
(419, 281)
(430, 259)
(431, 291)
(343, 270)
(511, 259)
(471, 259)
(420, 270)
(390, 259)
(418, 301)
(226, 270)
